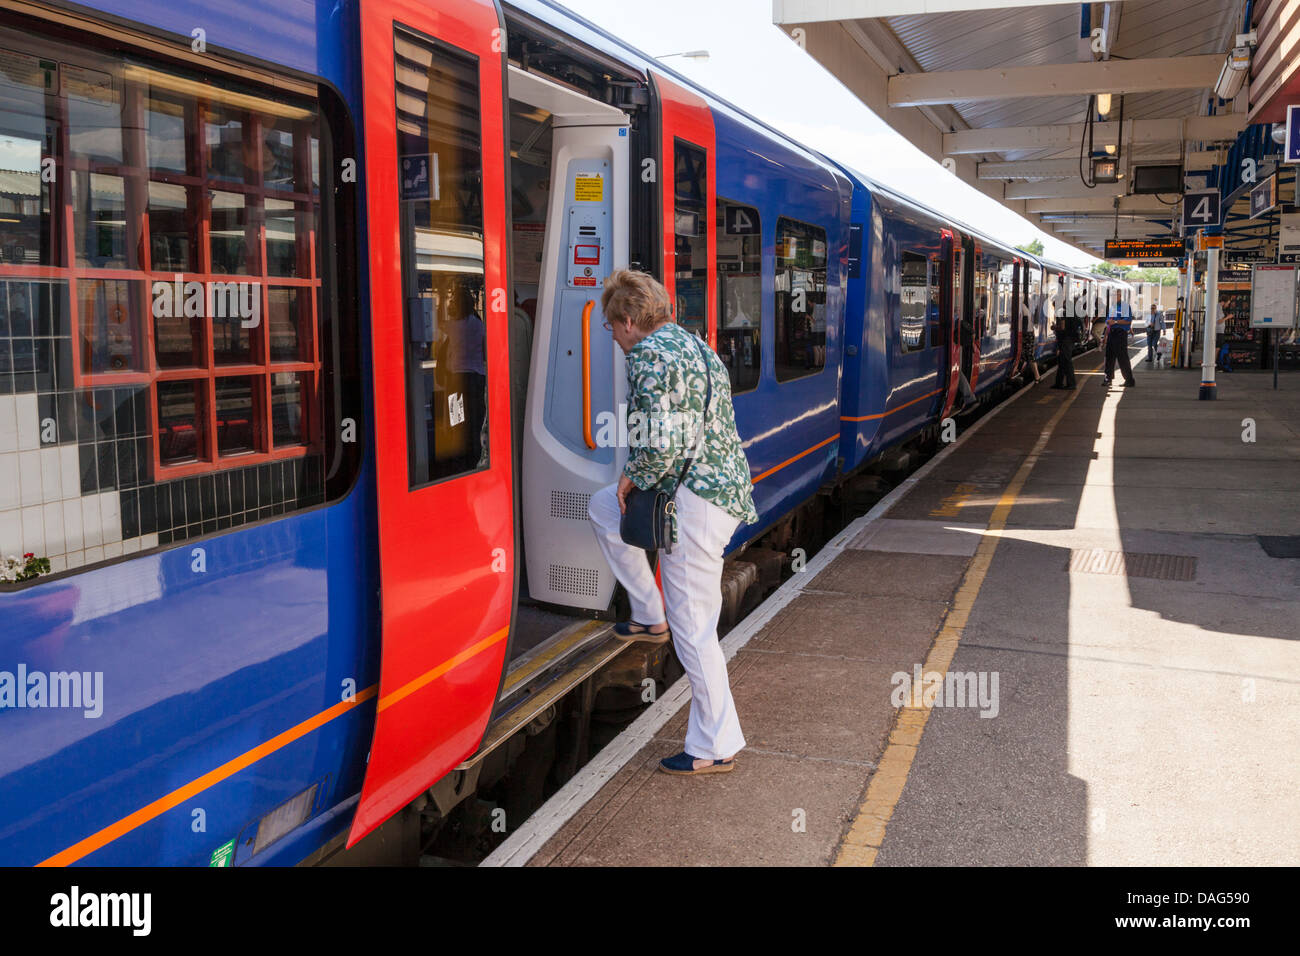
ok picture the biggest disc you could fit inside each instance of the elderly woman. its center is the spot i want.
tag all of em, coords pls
(667, 387)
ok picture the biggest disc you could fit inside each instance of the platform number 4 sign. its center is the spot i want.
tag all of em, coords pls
(1201, 210)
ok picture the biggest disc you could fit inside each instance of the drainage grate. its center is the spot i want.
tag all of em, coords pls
(569, 504)
(1165, 567)
(573, 580)
(1280, 546)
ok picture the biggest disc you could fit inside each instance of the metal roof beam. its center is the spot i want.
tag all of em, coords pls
(1225, 126)
(1062, 189)
(1153, 75)
(815, 11)
(1052, 168)
(1135, 204)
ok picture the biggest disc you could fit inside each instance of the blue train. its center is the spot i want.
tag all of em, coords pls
(303, 392)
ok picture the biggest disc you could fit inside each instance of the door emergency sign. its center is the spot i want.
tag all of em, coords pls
(588, 188)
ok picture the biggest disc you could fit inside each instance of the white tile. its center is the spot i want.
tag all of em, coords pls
(58, 563)
(29, 478)
(130, 545)
(34, 531)
(75, 559)
(51, 475)
(90, 526)
(149, 542)
(11, 534)
(55, 543)
(29, 423)
(110, 516)
(94, 554)
(8, 423)
(72, 524)
(11, 495)
(70, 469)
(113, 550)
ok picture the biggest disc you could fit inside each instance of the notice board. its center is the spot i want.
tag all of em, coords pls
(1273, 297)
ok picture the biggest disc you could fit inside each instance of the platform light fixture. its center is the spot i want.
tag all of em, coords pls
(1103, 104)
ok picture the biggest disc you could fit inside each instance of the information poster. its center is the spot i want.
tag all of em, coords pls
(1273, 297)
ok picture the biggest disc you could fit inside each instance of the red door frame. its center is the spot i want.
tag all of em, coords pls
(685, 115)
(446, 550)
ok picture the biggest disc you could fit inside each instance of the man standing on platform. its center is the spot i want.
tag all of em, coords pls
(1066, 337)
(1155, 329)
(1118, 324)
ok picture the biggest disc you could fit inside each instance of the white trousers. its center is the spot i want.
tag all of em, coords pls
(692, 580)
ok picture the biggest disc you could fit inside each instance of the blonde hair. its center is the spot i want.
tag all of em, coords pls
(637, 297)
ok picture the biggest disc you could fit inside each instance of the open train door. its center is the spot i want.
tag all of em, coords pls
(950, 318)
(434, 176)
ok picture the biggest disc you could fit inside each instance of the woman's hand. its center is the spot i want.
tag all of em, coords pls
(624, 486)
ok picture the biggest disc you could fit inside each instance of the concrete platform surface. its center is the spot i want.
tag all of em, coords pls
(1109, 661)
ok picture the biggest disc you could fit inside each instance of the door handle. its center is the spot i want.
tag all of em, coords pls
(586, 374)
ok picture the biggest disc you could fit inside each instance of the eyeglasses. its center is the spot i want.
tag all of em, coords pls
(608, 327)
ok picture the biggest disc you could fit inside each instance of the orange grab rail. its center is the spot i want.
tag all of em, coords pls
(586, 374)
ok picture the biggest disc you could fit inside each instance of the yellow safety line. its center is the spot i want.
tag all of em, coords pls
(867, 833)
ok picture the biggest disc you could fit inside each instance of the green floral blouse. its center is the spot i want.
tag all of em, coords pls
(666, 389)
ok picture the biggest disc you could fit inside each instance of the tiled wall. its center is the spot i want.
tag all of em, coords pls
(79, 489)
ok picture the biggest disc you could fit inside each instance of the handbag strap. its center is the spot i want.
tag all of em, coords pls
(704, 418)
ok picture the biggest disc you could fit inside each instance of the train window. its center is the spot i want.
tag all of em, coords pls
(800, 288)
(913, 301)
(439, 168)
(740, 292)
(167, 290)
(690, 229)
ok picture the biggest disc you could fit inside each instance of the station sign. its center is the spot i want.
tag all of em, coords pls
(1292, 148)
(1245, 255)
(1263, 196)
(1201, 209)
(1145, 249)
(1288, 237)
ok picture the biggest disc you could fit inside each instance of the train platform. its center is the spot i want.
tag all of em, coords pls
(1094, 596)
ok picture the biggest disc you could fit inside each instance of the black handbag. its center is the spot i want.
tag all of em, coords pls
(651, 513)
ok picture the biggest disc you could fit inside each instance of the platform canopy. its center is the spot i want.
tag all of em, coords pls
(1002, 93)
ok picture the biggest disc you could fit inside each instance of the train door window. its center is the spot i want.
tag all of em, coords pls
(800, 290)
(690, 230)
(913, 301)
(740, 292)
(439, 169)
(932, 308)
(1006, 283)
(983, 285)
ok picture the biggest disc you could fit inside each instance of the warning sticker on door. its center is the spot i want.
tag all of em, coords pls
(455, 408)
(588, 187)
